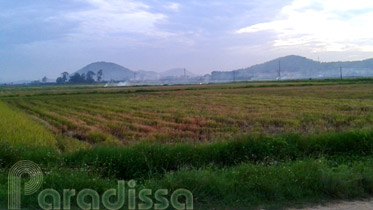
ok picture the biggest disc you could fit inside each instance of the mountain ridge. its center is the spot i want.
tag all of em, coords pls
(113, 71)
(297, 67)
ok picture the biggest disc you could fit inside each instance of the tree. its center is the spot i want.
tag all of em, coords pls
(64, 76)
(77, 78)
(99, 75)
(89, 77)
(59, 80)
(82, 78)
(45, 79)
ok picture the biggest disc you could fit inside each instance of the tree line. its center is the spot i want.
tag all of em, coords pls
(88, 78)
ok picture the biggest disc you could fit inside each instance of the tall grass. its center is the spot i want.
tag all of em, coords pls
(248, 185)
(245, 186)
(149, 160)
(18, 130)
(144, 160)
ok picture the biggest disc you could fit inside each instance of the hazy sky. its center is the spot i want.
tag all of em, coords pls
(41, 37)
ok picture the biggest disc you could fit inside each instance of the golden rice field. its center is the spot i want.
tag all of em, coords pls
(18, 129)
(199, 113)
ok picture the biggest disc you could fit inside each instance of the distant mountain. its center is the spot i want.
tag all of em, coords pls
(295, 67)
(177, 72)
(111, 71)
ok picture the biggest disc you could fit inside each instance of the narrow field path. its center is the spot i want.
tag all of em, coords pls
(345, 205)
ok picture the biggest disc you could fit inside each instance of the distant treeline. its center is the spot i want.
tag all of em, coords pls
(77, 78)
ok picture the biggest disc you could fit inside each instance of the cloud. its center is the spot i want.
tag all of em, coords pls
(321, 25)
(106, 18)
(172, 6)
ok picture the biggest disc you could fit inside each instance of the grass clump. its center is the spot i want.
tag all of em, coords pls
(69, 144)
(95, 137)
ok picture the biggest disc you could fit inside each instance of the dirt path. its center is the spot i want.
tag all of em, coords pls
(345, 205)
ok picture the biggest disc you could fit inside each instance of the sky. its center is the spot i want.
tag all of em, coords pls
(44, 38)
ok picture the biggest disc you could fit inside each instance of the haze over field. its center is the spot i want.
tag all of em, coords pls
(288, 67)
(44, 38)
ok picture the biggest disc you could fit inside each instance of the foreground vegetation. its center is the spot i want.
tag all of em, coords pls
(244, 173)
(241, 146)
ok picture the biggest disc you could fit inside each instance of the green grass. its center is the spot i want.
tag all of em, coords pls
(246, 186)
(145, 161)
(249, 185)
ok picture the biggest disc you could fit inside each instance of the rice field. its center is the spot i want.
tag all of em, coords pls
(200, 113)
(17, 129)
